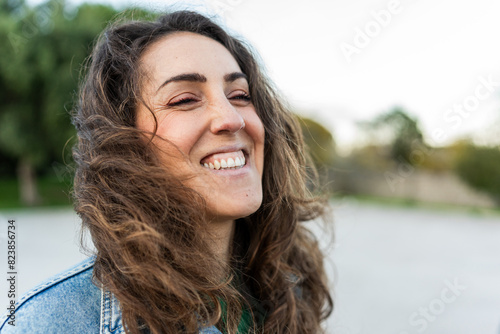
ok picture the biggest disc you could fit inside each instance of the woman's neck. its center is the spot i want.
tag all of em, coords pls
(222, 234)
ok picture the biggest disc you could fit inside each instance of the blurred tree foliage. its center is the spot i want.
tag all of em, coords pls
(399, 131)
(42, 52)
(479, 166)
(11, 6)
(319, 141)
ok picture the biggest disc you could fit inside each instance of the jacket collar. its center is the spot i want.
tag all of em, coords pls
(111, 316)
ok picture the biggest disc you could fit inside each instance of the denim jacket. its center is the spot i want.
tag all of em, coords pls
(70, 303)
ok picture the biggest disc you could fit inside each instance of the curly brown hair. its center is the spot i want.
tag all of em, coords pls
(149, 229)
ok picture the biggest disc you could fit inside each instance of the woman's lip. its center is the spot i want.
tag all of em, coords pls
(227, 149)
(229, 171)
(222, 158)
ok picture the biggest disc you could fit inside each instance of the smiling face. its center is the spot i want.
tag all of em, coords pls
(214, 139)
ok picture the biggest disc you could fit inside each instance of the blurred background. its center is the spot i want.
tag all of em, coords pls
(399, 102)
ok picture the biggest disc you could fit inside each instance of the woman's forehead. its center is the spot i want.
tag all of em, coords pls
(186, 52)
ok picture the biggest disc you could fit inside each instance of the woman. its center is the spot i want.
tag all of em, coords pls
(191, 178)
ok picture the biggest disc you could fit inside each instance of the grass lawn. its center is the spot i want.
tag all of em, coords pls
(51, 190)
(56, 193)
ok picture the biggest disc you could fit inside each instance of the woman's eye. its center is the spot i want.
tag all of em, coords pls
(241, 96)
(182, 101)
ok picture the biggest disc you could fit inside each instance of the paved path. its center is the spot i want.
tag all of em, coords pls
(395, 270)
(410, 270)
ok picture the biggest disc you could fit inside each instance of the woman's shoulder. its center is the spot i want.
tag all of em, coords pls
(67, 302)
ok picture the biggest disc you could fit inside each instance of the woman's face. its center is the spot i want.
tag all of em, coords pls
(215, 140)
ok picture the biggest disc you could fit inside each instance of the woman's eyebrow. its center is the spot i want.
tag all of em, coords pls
(193, 77)
(234, 76)
(196, 77)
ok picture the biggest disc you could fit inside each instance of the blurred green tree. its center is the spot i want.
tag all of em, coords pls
(319, 141)
(11, 6)
(479, 166)
(39, 71)
(398, 130)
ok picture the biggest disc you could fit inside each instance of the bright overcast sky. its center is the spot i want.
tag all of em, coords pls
(341, 62)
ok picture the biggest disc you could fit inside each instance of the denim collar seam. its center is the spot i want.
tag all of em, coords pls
(111, 321)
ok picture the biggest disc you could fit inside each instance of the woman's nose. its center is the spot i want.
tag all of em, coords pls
(226, 118)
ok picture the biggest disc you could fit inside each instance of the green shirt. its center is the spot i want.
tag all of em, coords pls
(245, 320)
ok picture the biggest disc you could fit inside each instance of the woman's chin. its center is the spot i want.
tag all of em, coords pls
(232, 211)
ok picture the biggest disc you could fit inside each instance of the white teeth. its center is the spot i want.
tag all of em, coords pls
(223, 163)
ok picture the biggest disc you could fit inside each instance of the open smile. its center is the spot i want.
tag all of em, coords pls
(226, 160)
